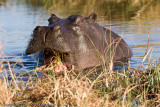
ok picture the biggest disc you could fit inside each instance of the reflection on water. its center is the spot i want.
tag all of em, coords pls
(133, 20)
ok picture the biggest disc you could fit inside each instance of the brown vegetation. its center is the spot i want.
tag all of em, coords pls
(108, 88)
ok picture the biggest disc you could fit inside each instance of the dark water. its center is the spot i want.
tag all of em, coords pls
(20, 17)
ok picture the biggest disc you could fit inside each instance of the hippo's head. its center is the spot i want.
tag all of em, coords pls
(62, 35)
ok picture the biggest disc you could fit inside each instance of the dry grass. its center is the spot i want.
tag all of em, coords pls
(137, 88)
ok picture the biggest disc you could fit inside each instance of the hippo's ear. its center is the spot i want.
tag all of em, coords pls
(92, 17)
(53, 19)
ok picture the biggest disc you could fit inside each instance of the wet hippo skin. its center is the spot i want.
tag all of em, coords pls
(80, 41)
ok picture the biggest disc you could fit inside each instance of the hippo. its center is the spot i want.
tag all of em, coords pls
(80, 41)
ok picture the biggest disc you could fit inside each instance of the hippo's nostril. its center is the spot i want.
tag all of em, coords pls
(49, 19)
(38, 28)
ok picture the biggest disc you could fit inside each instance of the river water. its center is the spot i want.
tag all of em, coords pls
(19, 18)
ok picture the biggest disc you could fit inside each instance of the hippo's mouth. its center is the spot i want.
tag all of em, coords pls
(54, 60)
(52, 55)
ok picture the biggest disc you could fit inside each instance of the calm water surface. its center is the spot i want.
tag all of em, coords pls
(18, 19)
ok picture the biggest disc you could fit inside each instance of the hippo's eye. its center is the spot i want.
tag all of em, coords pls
(56, 28)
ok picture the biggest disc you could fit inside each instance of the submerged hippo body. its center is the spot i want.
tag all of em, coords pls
(82, 42)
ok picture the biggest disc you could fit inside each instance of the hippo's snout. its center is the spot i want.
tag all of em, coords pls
(30, 49)
(34, 46)
(37, 41)
(27, 52)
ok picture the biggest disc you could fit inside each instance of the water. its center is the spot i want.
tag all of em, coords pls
(20, 17)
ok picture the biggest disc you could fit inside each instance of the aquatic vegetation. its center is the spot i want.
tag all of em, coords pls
(3, 3)
(110, 10)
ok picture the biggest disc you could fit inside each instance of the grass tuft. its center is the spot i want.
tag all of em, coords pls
(87, 88)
